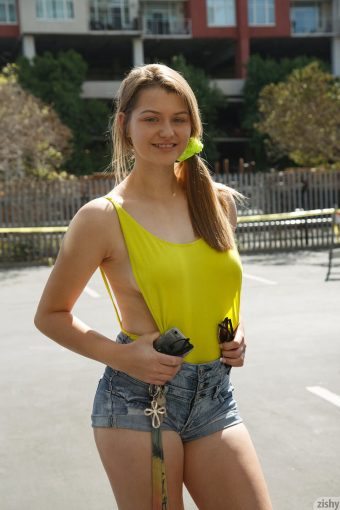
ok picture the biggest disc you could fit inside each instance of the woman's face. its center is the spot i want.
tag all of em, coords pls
(159, 127)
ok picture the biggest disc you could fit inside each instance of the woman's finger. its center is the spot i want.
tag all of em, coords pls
(232, 352)
(234, 358)
(233, 344)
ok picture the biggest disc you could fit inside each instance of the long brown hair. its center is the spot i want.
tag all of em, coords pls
(209, 207)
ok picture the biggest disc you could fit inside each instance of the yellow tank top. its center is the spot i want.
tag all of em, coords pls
(190, 286)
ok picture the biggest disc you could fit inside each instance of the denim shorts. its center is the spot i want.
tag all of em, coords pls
(199, 400)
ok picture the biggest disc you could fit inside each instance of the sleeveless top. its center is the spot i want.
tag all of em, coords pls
(190, 286)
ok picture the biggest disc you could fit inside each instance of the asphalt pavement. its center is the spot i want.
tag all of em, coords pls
(288, 392)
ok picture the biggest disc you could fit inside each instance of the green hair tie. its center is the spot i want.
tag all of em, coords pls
(194, 147)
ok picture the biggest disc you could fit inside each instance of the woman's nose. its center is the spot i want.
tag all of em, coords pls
(166, 129)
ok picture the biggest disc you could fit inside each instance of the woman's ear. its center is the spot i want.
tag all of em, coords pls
(120, 120)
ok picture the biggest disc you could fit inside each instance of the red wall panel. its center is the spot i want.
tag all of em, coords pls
(242, 44)
(197, 12)
(282, 22)
(9, 31)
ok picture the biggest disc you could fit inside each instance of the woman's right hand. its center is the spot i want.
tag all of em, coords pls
(141, 360)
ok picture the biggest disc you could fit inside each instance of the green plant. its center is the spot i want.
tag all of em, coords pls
(261, 72)
(58, 80)
(301, 116)
(31, 133)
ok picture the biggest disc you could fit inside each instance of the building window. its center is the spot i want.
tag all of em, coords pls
(309, 17)
(8, 12)
(164, 18)
(305, 19)
(54, 9)
(221, 13)
(261, 12)
(109, 14)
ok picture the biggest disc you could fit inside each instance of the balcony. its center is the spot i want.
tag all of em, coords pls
(336, 26)
(112, 19)
(166, 26)
(312, 18)
(105, 89)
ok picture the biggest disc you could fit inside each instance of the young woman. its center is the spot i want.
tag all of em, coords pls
(164, 240)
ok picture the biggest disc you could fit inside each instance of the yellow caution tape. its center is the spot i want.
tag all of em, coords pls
(284, 216)
(32, 230)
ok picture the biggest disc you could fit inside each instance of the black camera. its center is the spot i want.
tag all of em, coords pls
(173, 342)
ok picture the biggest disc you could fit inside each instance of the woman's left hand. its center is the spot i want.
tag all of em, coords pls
(233, 352)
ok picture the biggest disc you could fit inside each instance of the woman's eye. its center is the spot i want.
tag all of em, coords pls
(154, 119)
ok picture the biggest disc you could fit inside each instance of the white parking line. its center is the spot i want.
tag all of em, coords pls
(259, 279)
(47, 347)
(331, 397)
(91, 292)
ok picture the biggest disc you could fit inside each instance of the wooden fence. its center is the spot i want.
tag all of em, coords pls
(46, 208)
(258, 233)
(286, 191)
(44, 203)
(29, 203)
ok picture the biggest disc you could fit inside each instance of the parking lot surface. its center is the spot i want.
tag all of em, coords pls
(288, 391)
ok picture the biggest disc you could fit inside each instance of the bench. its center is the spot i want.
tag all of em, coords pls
(334, 250)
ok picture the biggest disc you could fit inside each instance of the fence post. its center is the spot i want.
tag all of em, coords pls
(226, 166)
(217, 167)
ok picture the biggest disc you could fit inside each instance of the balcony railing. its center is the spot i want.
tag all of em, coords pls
(336, 26)
(111, 19)
(326, 26)
(166, 26)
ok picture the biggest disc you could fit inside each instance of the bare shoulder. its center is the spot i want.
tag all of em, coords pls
(96, 207)
(226, 196)
(95, 212)
(95, 222)
(85, 245)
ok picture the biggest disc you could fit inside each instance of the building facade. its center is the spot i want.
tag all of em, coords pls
(217, 35)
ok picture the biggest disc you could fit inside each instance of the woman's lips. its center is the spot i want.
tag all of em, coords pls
(166, 147)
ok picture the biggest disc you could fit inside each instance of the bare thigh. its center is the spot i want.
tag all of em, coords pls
(234, 480)
(126, 457)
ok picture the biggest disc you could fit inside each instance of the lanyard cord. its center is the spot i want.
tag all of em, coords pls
(159, 488)
(157, 412)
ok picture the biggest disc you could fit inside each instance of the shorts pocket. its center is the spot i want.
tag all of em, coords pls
(103, 384)
(130, 378)
(226, 392)
(132, 391)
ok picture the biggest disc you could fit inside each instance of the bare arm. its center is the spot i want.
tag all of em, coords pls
(232, 352)
(84, 247)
